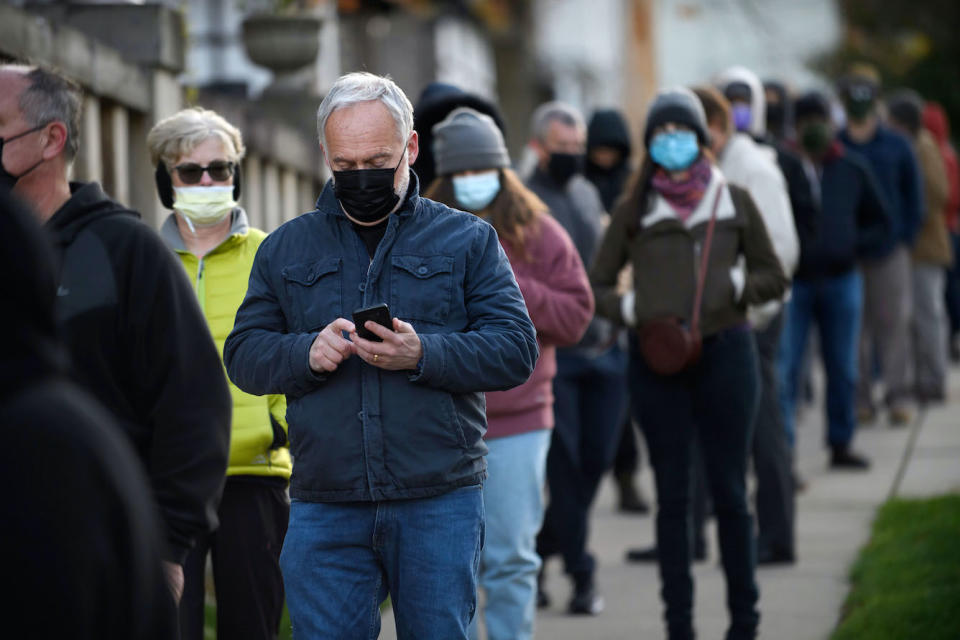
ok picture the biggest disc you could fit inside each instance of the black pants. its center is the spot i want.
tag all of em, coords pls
(245, 551)
(627, 459)
(772, 459)
(590, 401)
(716, 402)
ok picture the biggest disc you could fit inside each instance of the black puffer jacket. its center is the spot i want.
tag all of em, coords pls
(140, 344)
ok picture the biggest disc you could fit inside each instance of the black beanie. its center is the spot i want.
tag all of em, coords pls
(812, 104)
(906, 107)
(678, 105)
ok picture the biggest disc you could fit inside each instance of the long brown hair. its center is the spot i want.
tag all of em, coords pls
(513, 212)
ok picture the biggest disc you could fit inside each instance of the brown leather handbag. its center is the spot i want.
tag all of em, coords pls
(668, 346)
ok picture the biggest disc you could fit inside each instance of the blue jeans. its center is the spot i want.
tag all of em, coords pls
(715, 403)
(340, 560)
(513, 502)
(835, 305)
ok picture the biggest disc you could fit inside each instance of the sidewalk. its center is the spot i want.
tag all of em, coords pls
(834, 514)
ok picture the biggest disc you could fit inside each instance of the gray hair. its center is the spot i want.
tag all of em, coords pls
(554, 112)
(50, 97)
(361, 86)
(184, 131)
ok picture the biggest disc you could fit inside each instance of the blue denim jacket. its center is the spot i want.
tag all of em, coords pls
(362, 433)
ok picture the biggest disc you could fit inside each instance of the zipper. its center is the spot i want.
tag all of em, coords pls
(200, 287)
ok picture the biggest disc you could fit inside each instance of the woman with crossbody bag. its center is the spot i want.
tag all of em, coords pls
(700, 254)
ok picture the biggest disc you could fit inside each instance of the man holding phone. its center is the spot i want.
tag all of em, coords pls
(387, 434)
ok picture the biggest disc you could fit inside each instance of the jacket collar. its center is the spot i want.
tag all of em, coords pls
(328, 204)
(662, 210)
(239, 226)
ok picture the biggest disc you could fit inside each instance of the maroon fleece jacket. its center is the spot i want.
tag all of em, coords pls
(560, 302)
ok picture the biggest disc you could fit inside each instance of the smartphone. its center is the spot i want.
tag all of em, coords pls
(378, 313)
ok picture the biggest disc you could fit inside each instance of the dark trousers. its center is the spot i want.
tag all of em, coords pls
(589, 403)
(953, 287)
(716, 403)
(245, 552)
(772, 457)
(627, 458)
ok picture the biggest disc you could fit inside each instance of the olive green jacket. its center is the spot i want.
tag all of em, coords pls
(664, 253)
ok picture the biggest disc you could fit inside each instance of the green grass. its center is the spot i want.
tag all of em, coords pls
(906, 582)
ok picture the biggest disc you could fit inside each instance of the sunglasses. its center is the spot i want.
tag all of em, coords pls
(219, 171)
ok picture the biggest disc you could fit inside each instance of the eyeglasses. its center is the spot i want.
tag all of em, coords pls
(191, 173)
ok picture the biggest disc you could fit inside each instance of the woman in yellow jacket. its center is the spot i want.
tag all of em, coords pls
(197, 154)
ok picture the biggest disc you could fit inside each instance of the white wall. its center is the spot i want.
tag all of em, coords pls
(696, 39)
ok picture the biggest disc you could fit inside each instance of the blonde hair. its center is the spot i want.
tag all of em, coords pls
(181, 133)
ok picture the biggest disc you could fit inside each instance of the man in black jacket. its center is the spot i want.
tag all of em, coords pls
(855, 223)
(132, 326)
(77, 516)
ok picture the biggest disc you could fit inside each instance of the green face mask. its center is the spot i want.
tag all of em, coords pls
(815, 138)
(858, 109)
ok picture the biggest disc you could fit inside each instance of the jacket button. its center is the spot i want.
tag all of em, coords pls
(362, 286)
(422, 270)
(360, 415)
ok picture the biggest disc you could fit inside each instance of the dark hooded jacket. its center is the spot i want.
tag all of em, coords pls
(140, 345)
(608, 128)
(436, 102)
(78, 519)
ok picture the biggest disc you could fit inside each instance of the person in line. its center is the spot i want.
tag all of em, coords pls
(936, 122)
(887, 287)
(130, 320)
(590, 387)
(475, 175)
(607, 168)
(752, 167)
(81, 524)
(931, 252)
(197, 154)
(386, 431)
(682, 209)
(827, 288)
(435, 103)
(779, 112)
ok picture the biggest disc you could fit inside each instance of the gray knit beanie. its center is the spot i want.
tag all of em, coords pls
(468, 140)
(678, 105)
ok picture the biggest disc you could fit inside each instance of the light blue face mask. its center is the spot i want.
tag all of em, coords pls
(674, 150)
(474, 192)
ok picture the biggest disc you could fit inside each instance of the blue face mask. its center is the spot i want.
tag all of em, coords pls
(474, 192)
(674, 150)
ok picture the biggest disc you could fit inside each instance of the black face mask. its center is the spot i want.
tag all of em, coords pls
(366, 194)
(815, 138)
(776, 117)
(7, 179)
(563, 166)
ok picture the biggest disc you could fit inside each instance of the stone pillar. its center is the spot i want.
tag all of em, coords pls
(308, 194)
(90, 157)
(116, 160)
(290, 208)
(271, 196)
(640, 68)
(252, 197)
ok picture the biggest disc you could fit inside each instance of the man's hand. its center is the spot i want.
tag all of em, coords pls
(400, 349)
(174, 574)
(330, 348)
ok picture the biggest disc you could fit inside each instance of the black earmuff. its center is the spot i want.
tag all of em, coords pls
(165, 185)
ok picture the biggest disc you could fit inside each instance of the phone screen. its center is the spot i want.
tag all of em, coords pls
(379, 314)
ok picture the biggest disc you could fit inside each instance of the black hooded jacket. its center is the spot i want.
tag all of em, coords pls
(139, 343)
(608, 128)
(436, 102)
(83, 541)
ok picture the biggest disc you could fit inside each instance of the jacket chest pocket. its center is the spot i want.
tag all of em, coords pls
(421, 288)
(315, 292)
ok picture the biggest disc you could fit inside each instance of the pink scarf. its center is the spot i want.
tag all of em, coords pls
(685, 195)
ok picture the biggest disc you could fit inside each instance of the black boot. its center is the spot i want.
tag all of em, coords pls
(585, 600)
(842, 458)
(630, 498)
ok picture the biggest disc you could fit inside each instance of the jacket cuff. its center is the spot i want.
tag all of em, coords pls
(431, 361)
(300, 369)
(627, 308)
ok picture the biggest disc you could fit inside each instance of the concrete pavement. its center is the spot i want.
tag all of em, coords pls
(834, 515)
